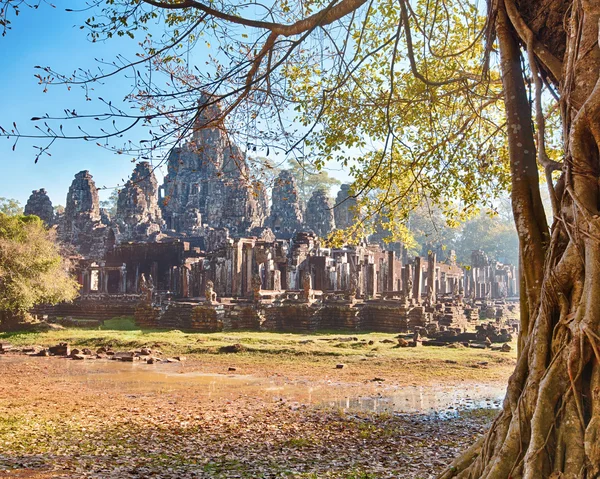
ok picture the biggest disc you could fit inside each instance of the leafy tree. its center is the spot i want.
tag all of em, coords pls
(496, 237)
(110, 204)
(310, 179)
(32, 270)
(488, 231)
(429, 228)
(416, 87)
(10, 207)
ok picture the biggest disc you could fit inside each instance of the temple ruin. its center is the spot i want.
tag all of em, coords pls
(207, 251)
(139, 217)
(319, 214)
(345, 209)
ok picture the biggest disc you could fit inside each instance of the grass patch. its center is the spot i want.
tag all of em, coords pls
(297, 442)
(120, 324)
(321, 349)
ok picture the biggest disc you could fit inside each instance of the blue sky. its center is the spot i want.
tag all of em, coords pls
(52, 37)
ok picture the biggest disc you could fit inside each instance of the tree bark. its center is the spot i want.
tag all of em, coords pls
(528, 209)
(549, 426)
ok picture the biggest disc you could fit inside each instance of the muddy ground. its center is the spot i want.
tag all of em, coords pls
(294, 416)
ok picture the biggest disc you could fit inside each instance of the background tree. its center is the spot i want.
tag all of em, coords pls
(428, 227)
(32, 270)
(10, 207)
(110, 204)
(309, 179)
(494, 236)
(489, 231)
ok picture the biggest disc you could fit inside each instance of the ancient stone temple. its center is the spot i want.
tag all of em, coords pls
(345, 208)
(209, 174)
(319, 214)
(286, 215)
(81, 223)
(205, 252)
(487, 279)
(191, 223)
(138, 215)
(204, 278)
(39, 204)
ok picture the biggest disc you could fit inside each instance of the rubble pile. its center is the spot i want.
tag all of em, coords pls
(418, 317)
(451, 316)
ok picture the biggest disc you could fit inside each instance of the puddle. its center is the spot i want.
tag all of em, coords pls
(139, 379)
(427, 399)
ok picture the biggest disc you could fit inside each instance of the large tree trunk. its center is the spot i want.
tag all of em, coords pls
(549, 426)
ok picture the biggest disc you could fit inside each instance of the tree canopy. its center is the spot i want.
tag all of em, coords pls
(392, 91)
(10, 206)
(310, 179)
(487, 231)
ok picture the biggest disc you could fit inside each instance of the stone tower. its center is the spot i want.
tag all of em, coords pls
(209, 174)
(39, 204)
(319, 213)
(286, 215)
(345, 208)
(81, 223)
(138, 215)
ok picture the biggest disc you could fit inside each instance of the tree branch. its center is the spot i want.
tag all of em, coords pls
(323, 17)
(553, 64)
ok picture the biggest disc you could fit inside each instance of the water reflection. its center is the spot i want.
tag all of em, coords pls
(139, 379)
(426, 399)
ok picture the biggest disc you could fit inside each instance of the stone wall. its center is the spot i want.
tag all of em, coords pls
(98, 306)
(298, 315)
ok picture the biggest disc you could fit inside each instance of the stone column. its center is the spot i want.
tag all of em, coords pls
(268, 279)
(431, 264)
(123, 282)
(185, 290)
(237, 269)
(249, 263)
(103, 280)
(390, 271)
(136, 284)
(371, 280)
(86, 281)
(277, 280)
(155, 274)
(407, 280)
(418, 278)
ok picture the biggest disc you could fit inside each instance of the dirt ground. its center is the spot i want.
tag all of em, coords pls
(273, 416)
